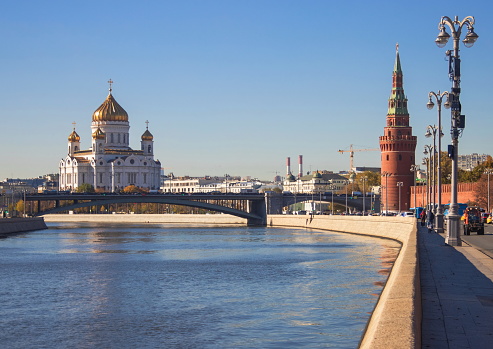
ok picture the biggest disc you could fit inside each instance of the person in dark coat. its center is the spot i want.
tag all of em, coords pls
(430, 217)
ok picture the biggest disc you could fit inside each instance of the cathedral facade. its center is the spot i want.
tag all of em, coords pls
(110, 164)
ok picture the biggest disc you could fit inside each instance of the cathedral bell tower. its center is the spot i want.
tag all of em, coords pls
(146, 142)
(73, 142)
(397, 147)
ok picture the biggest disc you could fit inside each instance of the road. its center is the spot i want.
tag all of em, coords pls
(482, 242)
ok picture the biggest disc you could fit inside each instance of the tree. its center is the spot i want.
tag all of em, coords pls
(372, 180)
(85, 188)
(131, 189)
(481, 188)
(20, 206)
(477, 172)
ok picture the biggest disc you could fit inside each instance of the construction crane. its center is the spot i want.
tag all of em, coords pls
(351, 155)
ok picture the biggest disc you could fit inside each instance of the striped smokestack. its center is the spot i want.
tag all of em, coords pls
(288, 166)
(300, 165)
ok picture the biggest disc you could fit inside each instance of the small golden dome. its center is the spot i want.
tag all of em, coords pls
(74, 137)
(110, 110)
(147, 136)
(98, 134)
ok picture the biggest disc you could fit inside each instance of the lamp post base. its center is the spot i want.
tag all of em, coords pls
(453, 233)
(439, 222)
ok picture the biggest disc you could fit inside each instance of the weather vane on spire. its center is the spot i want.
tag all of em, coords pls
(111, 83)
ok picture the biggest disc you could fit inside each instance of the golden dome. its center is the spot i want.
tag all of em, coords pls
(98, 134)
(147, 136)
(74, 137)
(110, 110)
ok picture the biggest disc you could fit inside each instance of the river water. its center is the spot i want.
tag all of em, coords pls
(169, 286)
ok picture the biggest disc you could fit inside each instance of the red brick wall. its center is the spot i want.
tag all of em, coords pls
(465, 193)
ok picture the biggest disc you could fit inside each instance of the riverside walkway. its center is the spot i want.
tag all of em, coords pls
(457, 294)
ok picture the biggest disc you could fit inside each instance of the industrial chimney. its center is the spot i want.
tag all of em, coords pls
(300, 165)
(288, 166)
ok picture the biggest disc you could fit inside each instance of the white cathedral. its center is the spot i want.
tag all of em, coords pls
(110, 164)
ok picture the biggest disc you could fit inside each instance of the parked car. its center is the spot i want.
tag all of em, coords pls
(407, 214)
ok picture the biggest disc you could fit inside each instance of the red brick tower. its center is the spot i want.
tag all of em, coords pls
(397, 146)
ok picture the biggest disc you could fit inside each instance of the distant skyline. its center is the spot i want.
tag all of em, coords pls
(232, 86)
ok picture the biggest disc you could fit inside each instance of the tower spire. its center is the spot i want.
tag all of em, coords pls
(397, 64)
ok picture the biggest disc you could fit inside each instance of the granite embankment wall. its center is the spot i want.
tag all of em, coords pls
(147, 218)
(396, 319)
(19, 225)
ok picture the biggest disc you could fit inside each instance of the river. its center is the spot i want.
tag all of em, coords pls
(90, 285)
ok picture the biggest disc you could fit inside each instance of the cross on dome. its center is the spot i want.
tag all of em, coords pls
(147, 124)
(111, 83)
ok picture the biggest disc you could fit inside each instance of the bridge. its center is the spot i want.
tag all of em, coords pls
(276, 202)
(253, 207)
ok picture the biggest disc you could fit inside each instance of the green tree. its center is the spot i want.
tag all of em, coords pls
(85, 188)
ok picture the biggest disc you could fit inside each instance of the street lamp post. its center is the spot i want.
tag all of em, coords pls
(488, 172)
(415, 168)
(457, 119)
(399, 184)
(332, 188)
(430, 179)
(439, 98)
(386, 175)
(364, 179)
(347, 183)
(426, 163)
(433, 131)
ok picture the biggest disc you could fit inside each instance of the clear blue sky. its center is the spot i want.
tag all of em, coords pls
(231, 86)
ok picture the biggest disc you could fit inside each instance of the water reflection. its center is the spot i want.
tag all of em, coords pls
(176, 287)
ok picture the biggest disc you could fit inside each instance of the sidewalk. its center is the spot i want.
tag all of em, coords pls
(457, 294)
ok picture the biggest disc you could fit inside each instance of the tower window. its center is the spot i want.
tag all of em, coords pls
(400, 157)
(387, 157)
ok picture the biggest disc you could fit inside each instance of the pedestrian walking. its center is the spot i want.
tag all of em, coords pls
(430, 217)
(423, 217)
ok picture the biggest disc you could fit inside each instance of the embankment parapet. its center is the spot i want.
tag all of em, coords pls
(19, 225)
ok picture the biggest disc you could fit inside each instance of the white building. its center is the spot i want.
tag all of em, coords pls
(190, 185)
(110, 164)
(470, 161)
(318, 182)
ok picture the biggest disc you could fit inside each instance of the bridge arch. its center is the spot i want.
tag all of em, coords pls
(256, 216)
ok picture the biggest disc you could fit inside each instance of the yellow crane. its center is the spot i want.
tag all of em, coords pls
(351, 155)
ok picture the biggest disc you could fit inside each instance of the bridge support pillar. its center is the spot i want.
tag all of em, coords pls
(274, 203)
(258, 208)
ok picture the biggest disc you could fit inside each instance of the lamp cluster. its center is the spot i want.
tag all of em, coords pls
(452, 102)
